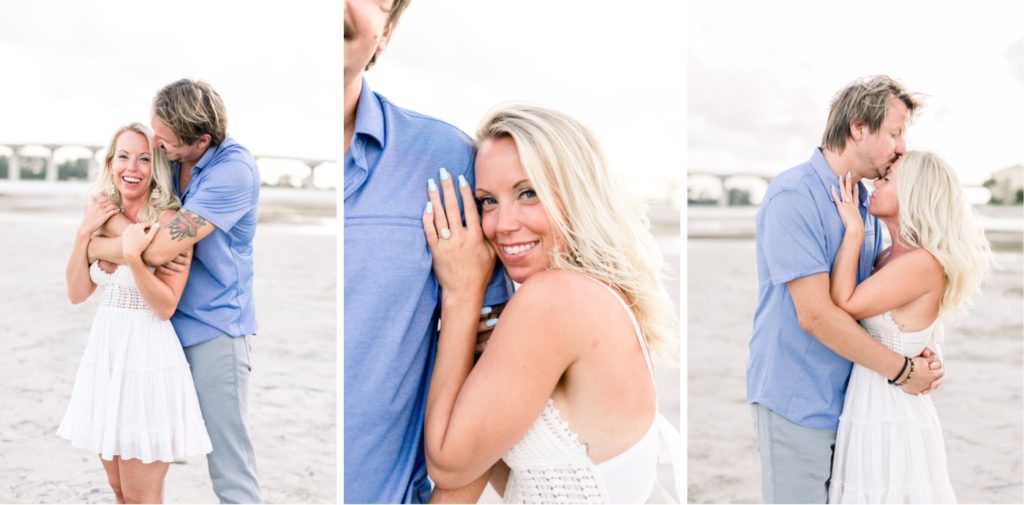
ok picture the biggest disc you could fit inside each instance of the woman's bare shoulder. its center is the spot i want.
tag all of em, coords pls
(561, 296)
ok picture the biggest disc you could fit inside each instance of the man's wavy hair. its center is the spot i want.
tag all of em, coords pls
(866, 100)
(191, 109)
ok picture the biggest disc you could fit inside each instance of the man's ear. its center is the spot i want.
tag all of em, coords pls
(858, 129)
(385, 37)
(204, 141)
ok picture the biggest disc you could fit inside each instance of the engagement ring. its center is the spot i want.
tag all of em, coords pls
(445, 233)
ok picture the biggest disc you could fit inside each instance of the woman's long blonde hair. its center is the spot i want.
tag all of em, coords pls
(605, 236)
(934, 215)
(161, 196)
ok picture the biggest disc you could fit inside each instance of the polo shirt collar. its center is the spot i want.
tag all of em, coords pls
(369, 115)
(210, 153)
(828, 178)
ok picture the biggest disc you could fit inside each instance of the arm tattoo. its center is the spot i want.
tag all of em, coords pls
(185, 224)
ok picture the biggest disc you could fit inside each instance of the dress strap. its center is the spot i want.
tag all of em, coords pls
(636, 329)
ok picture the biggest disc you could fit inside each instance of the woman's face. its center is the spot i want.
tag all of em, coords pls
(514, 221)
(132, 168)
(883, 201)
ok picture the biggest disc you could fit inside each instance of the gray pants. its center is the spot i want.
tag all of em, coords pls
(796, 462)
(220, 369)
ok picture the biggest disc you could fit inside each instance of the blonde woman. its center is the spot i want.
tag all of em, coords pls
(889, 446)
(563, 398)
(133, 401)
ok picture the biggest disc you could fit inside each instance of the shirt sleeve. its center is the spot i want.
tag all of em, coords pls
(792, 238)
(225, 194)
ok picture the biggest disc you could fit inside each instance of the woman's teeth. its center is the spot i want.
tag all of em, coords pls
(516, 249)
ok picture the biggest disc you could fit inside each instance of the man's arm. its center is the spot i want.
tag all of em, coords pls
(832, 326)
(178, 232)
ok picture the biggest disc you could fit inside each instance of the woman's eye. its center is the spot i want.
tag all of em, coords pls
(528, 193)
(486, 200)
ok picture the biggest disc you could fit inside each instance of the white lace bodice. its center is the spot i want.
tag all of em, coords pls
(119, 288)
(550, 464)
(908, 343)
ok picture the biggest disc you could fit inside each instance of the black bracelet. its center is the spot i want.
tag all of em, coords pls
(909, 375)
(893, 380)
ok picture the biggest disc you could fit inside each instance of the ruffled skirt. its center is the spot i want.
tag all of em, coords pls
(133, 395)
(889, 446)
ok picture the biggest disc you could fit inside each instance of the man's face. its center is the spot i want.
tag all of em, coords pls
(880, 149)
(366, 33)
(173, 147)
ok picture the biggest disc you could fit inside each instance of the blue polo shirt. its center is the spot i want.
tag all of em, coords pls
(218, 297)
(798, 234)
(391, 296)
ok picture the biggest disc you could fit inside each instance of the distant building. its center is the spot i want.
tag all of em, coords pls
(1007, 185)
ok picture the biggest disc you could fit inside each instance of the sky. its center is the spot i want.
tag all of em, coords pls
(617, 68)
(761, 76)
(75, 70)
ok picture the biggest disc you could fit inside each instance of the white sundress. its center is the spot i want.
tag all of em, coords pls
(550, 464)
(133, 395)
(889, 446)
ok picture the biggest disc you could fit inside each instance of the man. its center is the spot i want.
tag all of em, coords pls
(391, 295)
(803, 344)
(218, 183)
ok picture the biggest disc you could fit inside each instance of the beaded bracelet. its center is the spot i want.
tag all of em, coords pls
(909, 374)
(905, 361)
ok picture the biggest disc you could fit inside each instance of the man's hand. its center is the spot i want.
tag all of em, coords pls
(933, 364)
(928, 374)
(178, 264)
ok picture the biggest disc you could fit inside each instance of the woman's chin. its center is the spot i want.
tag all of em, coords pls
(518, 274)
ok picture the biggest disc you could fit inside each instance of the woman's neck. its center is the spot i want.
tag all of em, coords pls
(132, 208)
(899, 246)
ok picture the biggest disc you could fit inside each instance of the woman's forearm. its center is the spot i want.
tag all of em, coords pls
(455, 347)
(106, 248)
(844, 269)
(158, 296)
(80, 285)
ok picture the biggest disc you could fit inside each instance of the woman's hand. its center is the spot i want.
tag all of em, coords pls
(136, 238)
(848, 203)
(97, 212)
(462, 259)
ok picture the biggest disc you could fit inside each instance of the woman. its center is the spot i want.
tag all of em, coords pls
(889, 446)
(564, 393)
(133, 401)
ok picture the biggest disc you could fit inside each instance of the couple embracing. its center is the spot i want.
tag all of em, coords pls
(451, 380)
(167, 239)
(841, 409)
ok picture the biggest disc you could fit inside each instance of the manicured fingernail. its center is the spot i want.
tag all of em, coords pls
(486, 310)
(444, 174)
(848, 174)
(430, 208)
(491, 322)
(431, 185)
(462, 181)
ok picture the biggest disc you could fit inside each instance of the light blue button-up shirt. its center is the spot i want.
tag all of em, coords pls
(218, 297)
(798, 234)
(391, 295)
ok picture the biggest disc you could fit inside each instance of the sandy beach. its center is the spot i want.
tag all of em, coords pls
(980, 403)
(293, 396)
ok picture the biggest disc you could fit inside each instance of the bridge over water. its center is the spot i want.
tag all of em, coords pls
(724, 182)
(21, 152)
